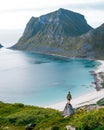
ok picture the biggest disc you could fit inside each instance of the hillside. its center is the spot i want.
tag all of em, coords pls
(49, 33)
(89, 45)
(62, 32)
(17, 116)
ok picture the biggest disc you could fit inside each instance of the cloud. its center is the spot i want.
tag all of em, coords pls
(89, 6)
(25, 9)
(98, 5)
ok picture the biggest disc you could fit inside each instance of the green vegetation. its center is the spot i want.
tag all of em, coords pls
(101, 102)
(102, 85)
(17, 116)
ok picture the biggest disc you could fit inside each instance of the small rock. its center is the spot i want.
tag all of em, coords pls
(30, 126)
(68, 127)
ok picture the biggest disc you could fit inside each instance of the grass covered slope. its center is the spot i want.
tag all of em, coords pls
(18, 116)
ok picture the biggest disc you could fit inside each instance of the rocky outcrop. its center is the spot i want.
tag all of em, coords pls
(1, 46)
(68, 127)
(99, 80)
(30, 126)
(68, 110)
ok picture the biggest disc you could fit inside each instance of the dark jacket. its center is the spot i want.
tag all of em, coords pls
(69, 97)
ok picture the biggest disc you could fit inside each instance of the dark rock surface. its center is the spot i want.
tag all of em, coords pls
(68, 110)
(30, 126)
(1, 46)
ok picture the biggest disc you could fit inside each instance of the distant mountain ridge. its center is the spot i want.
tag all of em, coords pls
(62, 32)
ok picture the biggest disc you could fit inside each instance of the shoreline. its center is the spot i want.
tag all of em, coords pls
(86, 99)
(90, 98)
(83, 99)
(100, 67)
(53, 54)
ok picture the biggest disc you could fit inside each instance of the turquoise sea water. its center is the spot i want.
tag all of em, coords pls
(39, 79)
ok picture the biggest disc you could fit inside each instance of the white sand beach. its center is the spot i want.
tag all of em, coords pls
(90, 98)
(100, 67)
(80, 101)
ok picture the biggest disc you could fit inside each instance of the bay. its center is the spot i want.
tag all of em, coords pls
(39, 79)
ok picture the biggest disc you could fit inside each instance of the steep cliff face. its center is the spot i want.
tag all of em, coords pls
(62, 22)
(89, 45)
(95, 38)
(52, 28)
(62, 32)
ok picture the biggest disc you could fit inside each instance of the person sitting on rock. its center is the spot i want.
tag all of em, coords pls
(69, 97)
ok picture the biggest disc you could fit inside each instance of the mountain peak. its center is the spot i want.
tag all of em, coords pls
(53, 28)
(61, 9)
(64, 10)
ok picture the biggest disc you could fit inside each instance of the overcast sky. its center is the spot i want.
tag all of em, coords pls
(14, 14)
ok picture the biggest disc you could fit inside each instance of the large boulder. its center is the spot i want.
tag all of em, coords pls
(68, 110)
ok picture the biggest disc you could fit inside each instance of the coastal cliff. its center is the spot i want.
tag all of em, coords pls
(51, 33)
(64, 33)
(1, 46)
